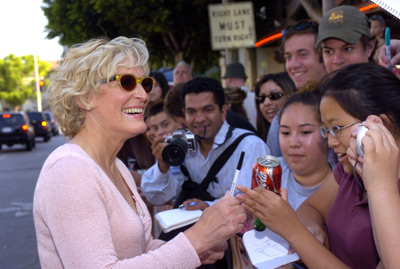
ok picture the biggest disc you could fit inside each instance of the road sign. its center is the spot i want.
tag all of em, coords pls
(232, 25)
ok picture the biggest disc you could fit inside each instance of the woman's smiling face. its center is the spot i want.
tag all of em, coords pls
(269, 107)
(117, 112)
(332, 114)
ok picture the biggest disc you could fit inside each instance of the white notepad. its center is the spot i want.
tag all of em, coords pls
(176, 218)
(267, 249)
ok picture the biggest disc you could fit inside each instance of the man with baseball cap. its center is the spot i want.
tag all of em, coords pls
(345, 38)
(235, 76)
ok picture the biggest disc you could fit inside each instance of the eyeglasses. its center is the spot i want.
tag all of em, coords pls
(272, 96)
(335, 131)
(128, 82)
(300, 26)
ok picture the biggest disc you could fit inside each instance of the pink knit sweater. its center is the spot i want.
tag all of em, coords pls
(82, 220)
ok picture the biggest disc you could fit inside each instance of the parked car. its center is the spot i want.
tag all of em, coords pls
(168, 73)
(53, 123)
(42, 126)
(15, 128)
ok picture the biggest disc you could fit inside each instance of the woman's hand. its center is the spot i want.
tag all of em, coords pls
(381, 155)
(271, 209)
(217, 223)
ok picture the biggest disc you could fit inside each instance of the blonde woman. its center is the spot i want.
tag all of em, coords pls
(87, 211)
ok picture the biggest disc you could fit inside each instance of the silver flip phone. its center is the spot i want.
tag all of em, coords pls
(360, 134)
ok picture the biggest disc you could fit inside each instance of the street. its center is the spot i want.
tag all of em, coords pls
(19, 170)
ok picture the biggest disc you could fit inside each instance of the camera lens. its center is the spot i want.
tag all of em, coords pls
(175, 152)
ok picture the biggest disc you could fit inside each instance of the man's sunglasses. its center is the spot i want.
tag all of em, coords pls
(128, 82)
(272, 96)
(300, 26)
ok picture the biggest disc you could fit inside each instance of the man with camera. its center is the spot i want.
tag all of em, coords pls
(200, 163)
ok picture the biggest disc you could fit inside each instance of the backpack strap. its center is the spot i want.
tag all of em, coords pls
(222, 159)
(191, 189)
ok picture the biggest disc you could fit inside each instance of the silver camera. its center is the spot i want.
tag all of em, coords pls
(360, 134)
(180, 142)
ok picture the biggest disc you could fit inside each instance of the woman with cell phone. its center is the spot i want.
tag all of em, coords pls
(358, 211)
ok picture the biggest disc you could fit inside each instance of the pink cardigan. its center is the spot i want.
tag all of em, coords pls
(82, 220)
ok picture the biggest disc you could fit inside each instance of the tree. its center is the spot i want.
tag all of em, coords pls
(17, 78)
(173, 29)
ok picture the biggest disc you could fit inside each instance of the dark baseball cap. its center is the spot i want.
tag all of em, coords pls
(235, 70)
(346, 23)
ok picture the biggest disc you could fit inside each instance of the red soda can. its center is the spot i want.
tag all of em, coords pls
(267, 173)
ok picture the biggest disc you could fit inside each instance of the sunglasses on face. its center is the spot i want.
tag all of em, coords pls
(272, 96)
(128, 82)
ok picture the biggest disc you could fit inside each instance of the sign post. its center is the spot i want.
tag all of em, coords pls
(232, 25)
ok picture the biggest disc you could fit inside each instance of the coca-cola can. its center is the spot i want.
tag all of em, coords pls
(267, 173)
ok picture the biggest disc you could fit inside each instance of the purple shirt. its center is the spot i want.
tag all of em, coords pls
(349, 224)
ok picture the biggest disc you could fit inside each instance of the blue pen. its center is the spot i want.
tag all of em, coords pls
(387, 43)
(188, 205)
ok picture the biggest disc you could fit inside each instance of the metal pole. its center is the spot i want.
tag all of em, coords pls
(38, 93)
(228, 54)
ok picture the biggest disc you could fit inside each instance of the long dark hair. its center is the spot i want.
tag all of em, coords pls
(162, 81)
(282, 80)
(365, 89)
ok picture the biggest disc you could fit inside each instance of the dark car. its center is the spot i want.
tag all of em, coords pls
(42, 126)
(53, 123)
(15, 128)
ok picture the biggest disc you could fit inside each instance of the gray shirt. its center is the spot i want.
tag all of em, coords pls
(296, 192)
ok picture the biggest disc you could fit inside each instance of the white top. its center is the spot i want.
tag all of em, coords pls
(249, 104)
(160, 188)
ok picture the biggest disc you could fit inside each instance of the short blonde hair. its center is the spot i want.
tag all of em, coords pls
(82, 71)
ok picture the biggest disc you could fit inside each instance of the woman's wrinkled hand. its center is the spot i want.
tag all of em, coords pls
(217, 223)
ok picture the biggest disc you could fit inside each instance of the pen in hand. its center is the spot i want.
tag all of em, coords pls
(239, 166)
(387, 44)
(188, 205)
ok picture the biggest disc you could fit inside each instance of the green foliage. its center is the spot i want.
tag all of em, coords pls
(17, 78)
(173, 29)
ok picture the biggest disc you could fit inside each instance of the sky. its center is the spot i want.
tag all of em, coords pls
(22, 31)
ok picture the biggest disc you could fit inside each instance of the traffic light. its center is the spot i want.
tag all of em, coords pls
(41, 84)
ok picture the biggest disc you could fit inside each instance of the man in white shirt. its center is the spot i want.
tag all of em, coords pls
(235, 76)
(205, 113)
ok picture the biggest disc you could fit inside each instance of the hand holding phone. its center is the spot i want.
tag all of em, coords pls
(360, 134)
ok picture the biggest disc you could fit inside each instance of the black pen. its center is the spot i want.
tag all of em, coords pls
(239, 166)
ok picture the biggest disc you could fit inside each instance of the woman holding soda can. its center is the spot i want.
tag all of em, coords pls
(360, 206)
(304, 165)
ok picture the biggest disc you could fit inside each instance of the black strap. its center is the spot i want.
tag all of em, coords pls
(191, 189)
(219, 162)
